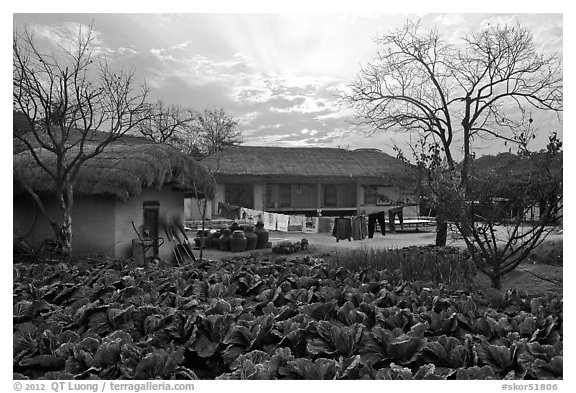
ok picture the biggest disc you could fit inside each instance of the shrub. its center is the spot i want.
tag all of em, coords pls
(439, 264)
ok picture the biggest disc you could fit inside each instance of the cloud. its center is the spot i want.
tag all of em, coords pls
(339, 113)
(67, 34)
(359, 18)
(122, 50)
(306, 105)
(181, 91)
(181, 45)
(306, 131)
(266, 140)
(247, 118)
(450, 20)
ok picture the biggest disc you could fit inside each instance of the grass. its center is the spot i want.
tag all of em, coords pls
(440, 265)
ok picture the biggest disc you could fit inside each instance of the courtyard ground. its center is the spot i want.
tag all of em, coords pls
(541, 272)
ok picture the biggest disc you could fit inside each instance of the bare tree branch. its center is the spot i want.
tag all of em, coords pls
(74, 109)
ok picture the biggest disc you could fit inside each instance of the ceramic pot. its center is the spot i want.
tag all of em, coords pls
(262, 234)
(234, 227)
(237, 241)
(224, 240)
(215, 239)
(251, 237)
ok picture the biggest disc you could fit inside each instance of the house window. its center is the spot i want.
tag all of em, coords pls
(330, 195)
(369, 195)
(284, 195)
(240, 195)
(378, 195)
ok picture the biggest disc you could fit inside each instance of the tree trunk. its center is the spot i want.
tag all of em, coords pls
(203, 229)
(66, 201)
(496, 281)
(53, 224)
(441, 231)
(465, 181)
(496, 273)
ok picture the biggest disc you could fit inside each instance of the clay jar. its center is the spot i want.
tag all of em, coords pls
(215, 238)
(202, 239)
(251, 237)
(224, 240)
(234, 227)
(237, 241)
(262, 234)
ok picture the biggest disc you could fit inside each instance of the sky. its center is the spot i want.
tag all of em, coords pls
(279, 75)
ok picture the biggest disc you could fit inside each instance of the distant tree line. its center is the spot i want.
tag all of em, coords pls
(198, 133)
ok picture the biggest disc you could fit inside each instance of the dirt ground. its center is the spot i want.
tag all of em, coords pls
(542, 271)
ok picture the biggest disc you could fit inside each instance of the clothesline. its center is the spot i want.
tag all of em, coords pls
(272, 221)
(351, 227)
(299, 223)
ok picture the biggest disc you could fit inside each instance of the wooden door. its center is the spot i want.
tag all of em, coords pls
(152, 222)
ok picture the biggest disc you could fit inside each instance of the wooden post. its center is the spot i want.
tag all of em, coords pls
(318, 195)
(358, 197)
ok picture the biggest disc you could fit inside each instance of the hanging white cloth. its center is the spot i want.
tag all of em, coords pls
(282, 221)
(311, 225)
(297, 223)
(251, 215)
(270, 221)
(258, 215)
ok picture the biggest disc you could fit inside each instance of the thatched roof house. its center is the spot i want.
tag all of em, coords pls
(306, 180)
(121, 170)
(128, 183)
(309, 162)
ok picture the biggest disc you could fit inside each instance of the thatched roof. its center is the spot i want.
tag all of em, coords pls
(310, 162)
(74, 136)
(121, 170)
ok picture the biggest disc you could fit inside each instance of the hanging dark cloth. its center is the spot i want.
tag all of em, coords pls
(397, 211)
(231, 212)
(342, 228)
(356, 235)
(364, 227)
(358, 227)
(372, 218)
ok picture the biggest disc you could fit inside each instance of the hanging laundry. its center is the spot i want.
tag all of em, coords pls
(269, 221)
(251, 215)
(342, 228)
(372, 218)
(282, 221)
(258, 215)
(296, 223)
(391, 218)
(363, 227)
(231, 212)
(326, 224)
(358, 227)
(310, 224)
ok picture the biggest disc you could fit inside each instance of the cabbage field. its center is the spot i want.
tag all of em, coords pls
(273, 318)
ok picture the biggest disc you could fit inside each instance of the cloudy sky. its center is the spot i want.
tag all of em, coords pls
(278, 74)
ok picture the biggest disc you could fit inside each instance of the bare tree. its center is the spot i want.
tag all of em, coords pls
(513, 207)
(418, 83)
(165, 123)
(217, 130)
(74, 108)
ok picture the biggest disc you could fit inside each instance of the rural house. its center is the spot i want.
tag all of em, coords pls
(311, 181)
(129, 185)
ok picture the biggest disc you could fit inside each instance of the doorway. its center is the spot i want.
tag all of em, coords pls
(152, 224)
